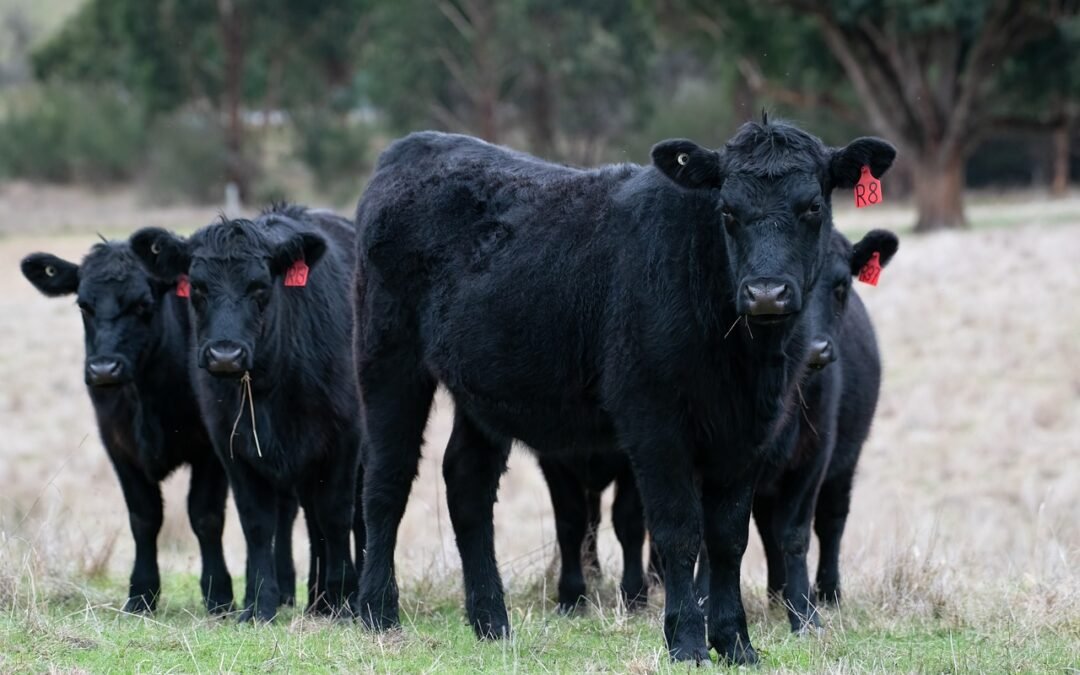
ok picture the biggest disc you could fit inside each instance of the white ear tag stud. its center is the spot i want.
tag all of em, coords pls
(50, 271)
(682, 158)
(155, 248)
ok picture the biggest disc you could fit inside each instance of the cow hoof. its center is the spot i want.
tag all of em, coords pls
(697, 655)
(636, 600)
(140, 605)
(219, 606)
(736, 654)
(491, 625)
(568, 608)
(253, 615)
(287, 600)
(829, 596)
(377, 616)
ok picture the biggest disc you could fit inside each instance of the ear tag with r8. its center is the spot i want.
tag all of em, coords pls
(867, 190)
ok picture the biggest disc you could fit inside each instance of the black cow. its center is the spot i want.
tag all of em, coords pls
(646, 309)
(271, 322)
(825, 439)
(136, 372)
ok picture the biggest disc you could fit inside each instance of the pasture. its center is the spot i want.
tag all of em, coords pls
(962, 551)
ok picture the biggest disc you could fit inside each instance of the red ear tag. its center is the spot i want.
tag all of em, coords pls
(183, 287)
(867, 190)
(871, 271)
(297, 274)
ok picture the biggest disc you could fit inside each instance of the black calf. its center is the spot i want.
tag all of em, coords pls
(649, 309)
(271, 321)
(136, 372)
(824, 440)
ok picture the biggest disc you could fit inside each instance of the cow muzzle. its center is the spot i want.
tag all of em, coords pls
(821, 353)
(226, 358)
(768, 300)
(105, 371)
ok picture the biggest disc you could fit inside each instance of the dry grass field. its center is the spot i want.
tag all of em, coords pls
(962, 552)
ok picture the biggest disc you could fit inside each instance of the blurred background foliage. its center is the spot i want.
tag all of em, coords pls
(292, 97)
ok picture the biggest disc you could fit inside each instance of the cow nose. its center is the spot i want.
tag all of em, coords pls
(821, 353)
(225, 358)
(103, 371)
(767, 298)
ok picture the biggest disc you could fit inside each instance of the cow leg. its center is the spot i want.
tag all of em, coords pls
(331, 496)
(472, 467)
(283, 554)
(764, 508)
(257, 504)
(317, 602)
(703, 577)
(397, 399)
(568, 500)
(359, 530)
(206, 511)
(590, 554)
(727, 524)
(829, 521)
(665, 480)
(628, 518)
(791, 522)
(143, 498)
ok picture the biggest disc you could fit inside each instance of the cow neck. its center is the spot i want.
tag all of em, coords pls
(273, 359)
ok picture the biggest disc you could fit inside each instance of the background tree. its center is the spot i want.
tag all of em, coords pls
(928, 74)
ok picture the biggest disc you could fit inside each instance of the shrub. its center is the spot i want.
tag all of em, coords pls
(186, 160)
(66, 133)
(336, 148)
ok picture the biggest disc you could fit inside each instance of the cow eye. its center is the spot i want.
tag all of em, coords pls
(728, 216)
(814, 209)
(840, 292)
(142, 309)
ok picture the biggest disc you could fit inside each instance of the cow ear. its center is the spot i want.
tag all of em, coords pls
(882, 242)
(163, 254)
(306, 246)
(846, 163)
(687, 163)
(51, 275)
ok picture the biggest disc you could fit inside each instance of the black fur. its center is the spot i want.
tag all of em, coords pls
(147, 415)
(296, 345)
(580, 311)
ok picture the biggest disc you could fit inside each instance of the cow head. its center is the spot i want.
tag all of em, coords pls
(831, 292)
(117, 299)
(772, 185)
(235, 269)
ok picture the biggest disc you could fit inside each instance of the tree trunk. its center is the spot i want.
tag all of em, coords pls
(541, 113)
(1059, 185)
(939, 192)
(232, 38)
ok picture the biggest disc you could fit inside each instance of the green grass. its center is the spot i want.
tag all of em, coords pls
(76, 627)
